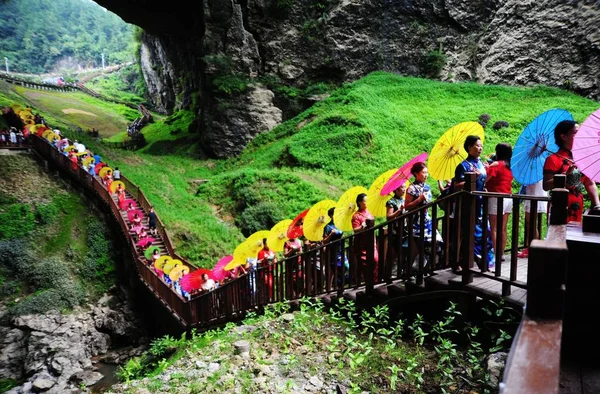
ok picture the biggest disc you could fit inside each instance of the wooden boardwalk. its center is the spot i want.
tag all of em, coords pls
(485, 286)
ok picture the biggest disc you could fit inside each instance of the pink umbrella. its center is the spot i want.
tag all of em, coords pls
(61, 143)
(125, 203)
(586, 147)
(144, 241)
(132, 213)
(137, 229)
(218, 272)
(401, 175)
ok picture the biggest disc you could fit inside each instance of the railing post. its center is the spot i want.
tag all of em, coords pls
(546, 277)
(559, 205)
(468, 218)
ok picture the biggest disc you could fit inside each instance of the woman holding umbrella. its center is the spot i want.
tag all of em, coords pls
(362, 219)
(562, 162)
(473, 163)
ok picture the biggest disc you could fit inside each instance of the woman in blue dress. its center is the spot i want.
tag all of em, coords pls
(473, 163)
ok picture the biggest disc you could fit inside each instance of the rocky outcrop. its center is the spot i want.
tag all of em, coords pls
(300, 42)
(53, 352)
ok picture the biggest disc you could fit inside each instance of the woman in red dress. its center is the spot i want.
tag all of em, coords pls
(562, 162)
(360, 221)
(266, 259)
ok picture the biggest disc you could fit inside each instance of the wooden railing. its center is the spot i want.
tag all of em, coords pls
(403, 254)
(533, 365)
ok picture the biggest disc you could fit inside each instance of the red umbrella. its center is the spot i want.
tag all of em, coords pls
(296, 230)
(402, 175)
(125, 203)
(98, 166)
(132, 213)
(193, 280)
(218, 272)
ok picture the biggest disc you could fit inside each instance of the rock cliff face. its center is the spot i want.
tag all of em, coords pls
(196, 57)
(53, 352)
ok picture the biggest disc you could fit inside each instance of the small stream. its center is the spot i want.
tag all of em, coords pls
(110, 377)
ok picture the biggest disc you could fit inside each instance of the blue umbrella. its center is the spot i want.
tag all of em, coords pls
(534, 145)
(97, 159)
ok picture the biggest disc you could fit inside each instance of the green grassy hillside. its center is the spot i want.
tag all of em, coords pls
(360, 131)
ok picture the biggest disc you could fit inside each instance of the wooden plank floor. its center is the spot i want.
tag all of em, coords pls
(579, 378)
(489, 287)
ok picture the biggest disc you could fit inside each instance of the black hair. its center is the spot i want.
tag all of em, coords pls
(562, 128)
(504, 153)
(470, 141)
(330, 211)
(417, 167)
(360, 197)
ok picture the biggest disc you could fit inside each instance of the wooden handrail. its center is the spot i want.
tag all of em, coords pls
(533, 365)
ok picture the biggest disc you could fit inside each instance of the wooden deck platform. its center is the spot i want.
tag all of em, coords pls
(485, 286)
(579, 378)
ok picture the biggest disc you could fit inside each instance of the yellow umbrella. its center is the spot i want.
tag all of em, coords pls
(46, 133)
(345, 208)
(68, 148)
(178, 272)
(161, 261)
(239, 257)
(80, 154)
(115, 184)
(316, 219)
(169, 265)
(103, 171)
(375, 201)
(278, 235)
(448, 152)
(86, 162)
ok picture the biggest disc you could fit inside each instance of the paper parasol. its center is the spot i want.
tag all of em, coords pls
(87, 161)
(178, 272)
(145, 241)
(125, 203)
(98, 167)
(194, 280)
(534, 145)
(131, 214)
(316, 219)
(46, 132)
(278, 235)
(400, 176)
(104, 171)
(346, 206)
(115, 184)
(69, 148)
(169, 265)
(162, 260)
(448, 152)
(240, 254)
(586, 147)
(150, 251)
(295, 230)
(375, 199)
(218, 272)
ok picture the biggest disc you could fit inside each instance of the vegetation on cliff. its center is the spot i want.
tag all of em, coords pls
(55, 253)
(40, 36)
(361, 130)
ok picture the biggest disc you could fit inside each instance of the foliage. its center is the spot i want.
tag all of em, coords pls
(33, 46)
(126, 85)
(434, 63)
(7, 384)
(98, 266)
(348, 139)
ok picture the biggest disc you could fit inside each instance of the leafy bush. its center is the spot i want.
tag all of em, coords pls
(500, 124)
(261, 216)
(48, 273)
(434, 63)
(231, 84)
(68, 295)
(17, 220)
(16, 257)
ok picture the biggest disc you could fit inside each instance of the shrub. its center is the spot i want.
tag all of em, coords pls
(68, 295)
(500, 124)
(261, 216)
(17, 220)
(434, 63)
(48, 273)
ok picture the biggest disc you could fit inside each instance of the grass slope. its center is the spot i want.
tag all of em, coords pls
(348, 139)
